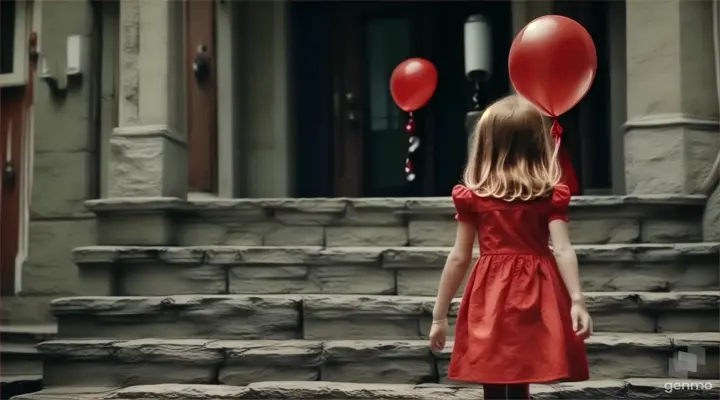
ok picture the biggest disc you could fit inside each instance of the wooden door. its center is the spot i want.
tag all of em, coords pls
(201, 94)
(12, 124)
(368, 40)
(17, 77)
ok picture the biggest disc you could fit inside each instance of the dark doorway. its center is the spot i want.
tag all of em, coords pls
(588, 125)
(349, 134)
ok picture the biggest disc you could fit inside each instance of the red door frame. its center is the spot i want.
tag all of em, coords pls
(201, 94)
(15, 103)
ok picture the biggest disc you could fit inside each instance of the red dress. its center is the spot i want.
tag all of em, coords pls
(514, 323)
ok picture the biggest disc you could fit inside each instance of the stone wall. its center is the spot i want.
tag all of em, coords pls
(62, 175)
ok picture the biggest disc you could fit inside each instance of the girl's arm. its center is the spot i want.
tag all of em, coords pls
(566, 259)
(455, 269)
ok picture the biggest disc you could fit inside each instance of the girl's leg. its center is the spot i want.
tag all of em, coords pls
(506, 392)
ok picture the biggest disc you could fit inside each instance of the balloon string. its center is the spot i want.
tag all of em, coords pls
(556, 130)
(413, 144)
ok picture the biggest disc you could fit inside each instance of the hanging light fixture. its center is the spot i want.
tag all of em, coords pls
(478, 53)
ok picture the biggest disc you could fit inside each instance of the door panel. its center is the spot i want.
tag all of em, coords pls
(369, 143)
(587, 126)
(201, 94)
(369, 140)
(12, 106)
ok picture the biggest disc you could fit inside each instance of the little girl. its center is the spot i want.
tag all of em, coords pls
(522, 318)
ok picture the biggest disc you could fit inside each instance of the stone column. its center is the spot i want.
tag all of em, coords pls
(671, 136)
(148, 153)
(148, 157)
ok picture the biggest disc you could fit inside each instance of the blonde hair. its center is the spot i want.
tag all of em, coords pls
(512, 156)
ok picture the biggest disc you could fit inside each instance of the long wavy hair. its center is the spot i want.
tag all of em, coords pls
(512, 156)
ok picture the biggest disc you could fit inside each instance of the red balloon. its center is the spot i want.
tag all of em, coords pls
(552, 63)
(413, 83)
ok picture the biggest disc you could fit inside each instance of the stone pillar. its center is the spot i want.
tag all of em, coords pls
(148, 153)
(671, 136)
(148, 156)
(264, 94)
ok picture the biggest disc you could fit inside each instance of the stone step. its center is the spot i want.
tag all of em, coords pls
(77, 393)
(327, 317)
(199, 361)
(591, 390)
(17, 352)
(413, 271)
(27, 333)
(373, 221)
(14, 385)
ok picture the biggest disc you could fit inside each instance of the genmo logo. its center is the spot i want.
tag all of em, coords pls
(684, 362)
(696, 386)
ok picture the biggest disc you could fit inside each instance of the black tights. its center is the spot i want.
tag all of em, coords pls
(507, 392)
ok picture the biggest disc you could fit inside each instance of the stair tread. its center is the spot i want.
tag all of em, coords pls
(387, 257)
(313, 205)
(650, 388)
(69, 393)
(45, 329)
(10, 378)
(396, 304)
(139, 252)
(211, 349)
(18, 349)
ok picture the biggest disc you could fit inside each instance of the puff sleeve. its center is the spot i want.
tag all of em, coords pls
(560, 203)
(462, 198)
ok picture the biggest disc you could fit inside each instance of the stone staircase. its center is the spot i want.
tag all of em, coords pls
(20, 362)
(332, 299)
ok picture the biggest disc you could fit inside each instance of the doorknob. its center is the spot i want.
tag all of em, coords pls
(8, 173)
(353, 115)
(201, 65)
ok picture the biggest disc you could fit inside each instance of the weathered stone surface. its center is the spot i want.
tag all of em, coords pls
(69, 393)
(388, 257)
(400, 222)
(336, 236)
(26, 310)
(264, 360)
(168, 279)
(136, 229)
(411, 271)
(49, 268)
(301, 279)
(711, 217)
(669, 159)
(702, 274)
(608, 389)
(147, 161)
(214, 317)
(122, 363)
(18, 355)
(61, 184)
(431, 232)
(20, 359)
(332, 317)
(612, 356)
(366, 361)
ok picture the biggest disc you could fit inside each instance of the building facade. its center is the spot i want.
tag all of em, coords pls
(249, 99)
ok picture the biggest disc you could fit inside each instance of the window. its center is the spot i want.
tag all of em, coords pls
(13, 42)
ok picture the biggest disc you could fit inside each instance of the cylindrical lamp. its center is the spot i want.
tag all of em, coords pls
(478, 52)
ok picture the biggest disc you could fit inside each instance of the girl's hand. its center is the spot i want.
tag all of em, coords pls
(438, 334)
(582, 323)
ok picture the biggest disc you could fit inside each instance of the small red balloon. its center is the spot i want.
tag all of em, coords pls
(553, 63)
(413, 83)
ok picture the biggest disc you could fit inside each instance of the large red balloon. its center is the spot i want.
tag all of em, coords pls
(552, 63)
(413, 83)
